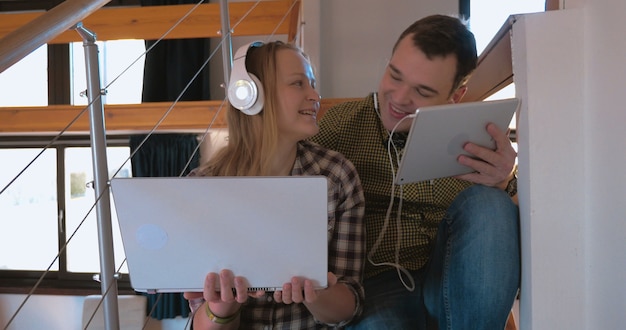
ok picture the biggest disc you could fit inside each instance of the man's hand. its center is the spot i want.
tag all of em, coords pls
(492, 167)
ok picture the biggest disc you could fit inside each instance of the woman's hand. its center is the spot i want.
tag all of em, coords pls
(225, 292)
(301, 290)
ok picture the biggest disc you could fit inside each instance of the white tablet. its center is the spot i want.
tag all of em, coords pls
(438, 133)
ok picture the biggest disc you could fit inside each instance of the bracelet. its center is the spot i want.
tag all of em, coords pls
(221, 320)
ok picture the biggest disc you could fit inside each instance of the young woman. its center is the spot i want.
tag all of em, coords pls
(272, 143)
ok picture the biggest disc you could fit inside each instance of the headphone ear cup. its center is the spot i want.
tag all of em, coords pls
(245, 91)
(257, 104)
(243, 94)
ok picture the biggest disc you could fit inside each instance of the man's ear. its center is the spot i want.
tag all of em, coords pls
(458, 94)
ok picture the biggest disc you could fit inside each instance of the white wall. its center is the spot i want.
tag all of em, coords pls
(568, 68)
(605, 117)
(551, 222)
(356, 37)
(349, 41)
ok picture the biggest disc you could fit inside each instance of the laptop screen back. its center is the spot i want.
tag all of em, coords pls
(267, 229)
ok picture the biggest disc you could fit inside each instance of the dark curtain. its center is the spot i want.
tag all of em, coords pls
(164, 154)
(171, 64)
(169, 68)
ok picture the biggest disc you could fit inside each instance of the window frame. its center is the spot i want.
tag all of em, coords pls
(61, 281)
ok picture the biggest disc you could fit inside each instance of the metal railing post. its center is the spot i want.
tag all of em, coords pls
(101, 178)
(227, 44)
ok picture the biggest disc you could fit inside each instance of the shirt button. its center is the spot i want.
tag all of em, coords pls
(269, 299)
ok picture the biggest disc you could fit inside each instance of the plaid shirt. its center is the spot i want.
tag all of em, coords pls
(355, 130)
(346, 241)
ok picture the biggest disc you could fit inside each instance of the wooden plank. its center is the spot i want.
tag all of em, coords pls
(188, 116)
(149, 23)
(495, 66)
(294, 21)
(185, 116)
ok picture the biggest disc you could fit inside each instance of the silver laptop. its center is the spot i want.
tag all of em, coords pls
(438, 134)
(267, 229)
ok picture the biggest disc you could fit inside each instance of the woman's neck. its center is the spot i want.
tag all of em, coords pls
(283, 161)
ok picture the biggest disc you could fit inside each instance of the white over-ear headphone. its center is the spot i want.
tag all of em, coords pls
(245, 91)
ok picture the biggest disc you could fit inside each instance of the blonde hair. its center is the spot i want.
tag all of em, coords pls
(252, 140)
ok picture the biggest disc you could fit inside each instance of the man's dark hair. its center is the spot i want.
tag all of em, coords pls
(441, 35)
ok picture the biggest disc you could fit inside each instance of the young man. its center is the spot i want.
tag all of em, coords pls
(452, 258)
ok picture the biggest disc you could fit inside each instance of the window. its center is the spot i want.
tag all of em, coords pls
(79, 199)
(54, 195)
(487, 17)
(29, 210)
(116, 58)
(42, 208)
(27, 80)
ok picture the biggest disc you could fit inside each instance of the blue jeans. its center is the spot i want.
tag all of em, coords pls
(471, 279)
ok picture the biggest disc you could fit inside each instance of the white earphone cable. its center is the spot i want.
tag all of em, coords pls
(396, 264)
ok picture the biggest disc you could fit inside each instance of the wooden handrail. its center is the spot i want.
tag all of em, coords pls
(30, 30)
(495, 66)
(43, 27)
